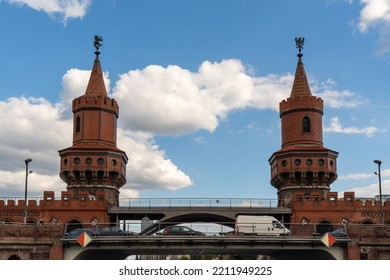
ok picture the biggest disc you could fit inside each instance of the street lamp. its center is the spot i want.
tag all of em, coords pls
(380, 188)
(27, 161)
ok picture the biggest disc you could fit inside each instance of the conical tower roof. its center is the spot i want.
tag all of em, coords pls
(301, 85)
(96, 86)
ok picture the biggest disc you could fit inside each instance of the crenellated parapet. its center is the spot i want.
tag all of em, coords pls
(95, 102)
(302, 103)
(50, 209)
(315, 208)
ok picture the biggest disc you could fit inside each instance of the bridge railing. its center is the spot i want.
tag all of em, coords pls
(198, 202)
(310, 230)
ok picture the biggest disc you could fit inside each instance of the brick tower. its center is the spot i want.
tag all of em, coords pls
(302, 164)
(94, 163)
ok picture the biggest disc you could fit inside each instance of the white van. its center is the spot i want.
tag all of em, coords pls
(260, 225)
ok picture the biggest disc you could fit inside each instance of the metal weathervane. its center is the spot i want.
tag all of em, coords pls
(299, 43)
(97, 43)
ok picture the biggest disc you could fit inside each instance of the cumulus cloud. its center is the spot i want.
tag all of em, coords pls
(74, 83)
(148, 166)
(174, 101)
(361, 176)
(374, 12)
(335, 98)
(371, 190)
(13, 183)
(336, 127)
(66, 9)
(32, 128)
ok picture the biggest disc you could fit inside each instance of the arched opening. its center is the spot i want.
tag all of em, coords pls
(73, 224)
(14, 257)
(367, 222)
(306, 125)
(77, 124)
(323, 227)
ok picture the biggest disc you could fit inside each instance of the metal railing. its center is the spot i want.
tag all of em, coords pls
(198, 202)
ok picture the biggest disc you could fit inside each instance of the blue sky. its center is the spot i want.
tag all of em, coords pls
(198, 84)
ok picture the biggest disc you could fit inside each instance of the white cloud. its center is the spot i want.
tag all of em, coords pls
(66, 9)
(373, 12)
(200, 140)
(371, 190)
(32, 128)
(361, 176)
(336, 127)
(12, 183)
(148, 167)
(335, 98)
(74, 84)
(163, 101)
(174, 101)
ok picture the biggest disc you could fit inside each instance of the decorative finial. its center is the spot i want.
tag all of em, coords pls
(299, 42)
(97, 43)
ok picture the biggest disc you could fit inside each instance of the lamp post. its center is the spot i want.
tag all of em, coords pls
(378, 162)
(27, 161)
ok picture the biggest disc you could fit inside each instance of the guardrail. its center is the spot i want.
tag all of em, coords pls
(252, 229)
(198, 202)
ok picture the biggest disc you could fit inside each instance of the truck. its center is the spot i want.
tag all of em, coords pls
(260, 225)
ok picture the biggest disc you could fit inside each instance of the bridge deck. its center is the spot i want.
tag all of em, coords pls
(165, 245)
(158, 212)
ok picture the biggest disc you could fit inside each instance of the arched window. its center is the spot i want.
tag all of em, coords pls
(306, 124)
(77, 124)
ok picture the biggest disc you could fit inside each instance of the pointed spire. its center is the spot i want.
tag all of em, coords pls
(96, 86)
(301, 85)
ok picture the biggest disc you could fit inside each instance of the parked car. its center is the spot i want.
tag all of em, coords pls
(112, 231)
(78, 231)
(180, 230)
(340, 232)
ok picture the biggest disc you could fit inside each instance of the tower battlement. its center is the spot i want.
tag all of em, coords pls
(94, 102)
(309, 103)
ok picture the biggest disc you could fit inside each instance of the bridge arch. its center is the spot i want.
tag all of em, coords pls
(190, 217)
(276, 254)
(14, 257)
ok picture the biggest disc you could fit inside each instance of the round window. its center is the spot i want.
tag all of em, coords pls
(100, 161)
(309, 162)
(88, 161)
(284, 163)
(113, 162)
(321, 162)
(297, 162)
(76, 160)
